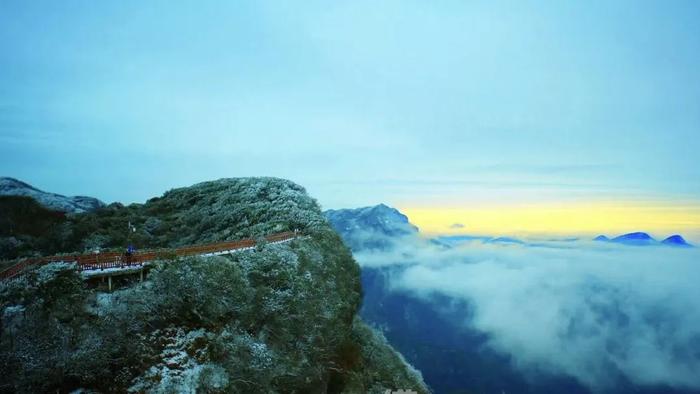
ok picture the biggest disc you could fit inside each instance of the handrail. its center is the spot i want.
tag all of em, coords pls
(94, 261)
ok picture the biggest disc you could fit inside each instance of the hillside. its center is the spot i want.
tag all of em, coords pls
(51, 201)
(281, 318)
(206, 212)
(26, 227)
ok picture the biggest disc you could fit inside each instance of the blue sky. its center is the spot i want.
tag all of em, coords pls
(405, 102)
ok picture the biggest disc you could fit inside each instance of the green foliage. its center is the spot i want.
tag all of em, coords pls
(226, 209)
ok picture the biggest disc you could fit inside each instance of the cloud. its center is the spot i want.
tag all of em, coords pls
(457, 225)
(594, 312)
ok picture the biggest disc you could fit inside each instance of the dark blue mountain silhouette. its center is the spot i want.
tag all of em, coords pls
(637, 238)
(641, 239)
(676, 240)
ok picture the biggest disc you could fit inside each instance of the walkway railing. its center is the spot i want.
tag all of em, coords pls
(101, 261)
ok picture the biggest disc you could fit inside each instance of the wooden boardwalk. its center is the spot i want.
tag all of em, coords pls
(114, 263)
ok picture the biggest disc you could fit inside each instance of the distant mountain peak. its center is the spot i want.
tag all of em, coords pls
(675, 240)
(640, 238)
(380, 221)
(635, 238)
(381, 217)
(635, 235)
(76, 204)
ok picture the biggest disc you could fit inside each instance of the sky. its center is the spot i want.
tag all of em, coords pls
(461, 106)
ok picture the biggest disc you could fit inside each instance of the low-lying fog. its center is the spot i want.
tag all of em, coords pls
(585, 309)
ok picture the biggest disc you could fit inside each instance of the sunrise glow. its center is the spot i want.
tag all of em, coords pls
(564, 219)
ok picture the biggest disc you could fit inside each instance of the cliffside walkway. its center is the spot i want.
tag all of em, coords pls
(105, 264)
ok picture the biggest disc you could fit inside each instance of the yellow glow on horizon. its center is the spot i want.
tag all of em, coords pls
(572, 218)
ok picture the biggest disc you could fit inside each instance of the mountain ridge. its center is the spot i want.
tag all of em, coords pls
(640, 238)
(57, 202)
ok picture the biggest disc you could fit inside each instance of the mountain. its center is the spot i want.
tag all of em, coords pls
(279, 318)
(637, 238)
(644, 239)
(52, 201)
(27, 228)
(676, 240)
(375, 227)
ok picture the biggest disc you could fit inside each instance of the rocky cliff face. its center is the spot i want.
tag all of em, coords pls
(281, 318)
(51, 201)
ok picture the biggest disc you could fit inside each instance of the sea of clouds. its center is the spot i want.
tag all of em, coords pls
(594, 311)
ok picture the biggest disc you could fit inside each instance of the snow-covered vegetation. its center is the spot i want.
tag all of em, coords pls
(280, 318)
(52, 201)
(378, 227)
(207, 212)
